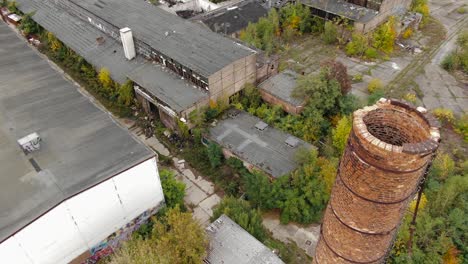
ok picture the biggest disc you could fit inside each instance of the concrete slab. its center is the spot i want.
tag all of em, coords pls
(210, 202)
(194, 195)
(201, 216)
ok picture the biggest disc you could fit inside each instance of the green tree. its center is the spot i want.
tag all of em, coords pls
(179, 239)
(337, 71)
(321, 92)
(330, 33)
(340, 134)
(174, 191)
(215, 155)
(125, 93)
(243, 214)
(28, 25)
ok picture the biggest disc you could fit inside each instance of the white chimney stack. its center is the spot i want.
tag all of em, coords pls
(127, 42)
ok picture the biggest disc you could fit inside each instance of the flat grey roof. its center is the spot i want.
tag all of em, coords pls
(281, 86)
(188, 43)
(81, 145)
(82, 38)
(265, 149)
(231, 244)
(233, 18)
(342, 8)
(178, 94)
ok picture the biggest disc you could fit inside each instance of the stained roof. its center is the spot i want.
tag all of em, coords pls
(81, 145)
(188, 43)
(342, 8)
(231, 244)
(265, 149)
(281, 86)
(233, 18)
(82, 38)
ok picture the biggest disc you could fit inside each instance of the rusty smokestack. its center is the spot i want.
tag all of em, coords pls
(389, 149)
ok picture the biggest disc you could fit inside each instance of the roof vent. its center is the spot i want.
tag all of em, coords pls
(127, 41)
(261, 126)
(292, 141)
(30, 143)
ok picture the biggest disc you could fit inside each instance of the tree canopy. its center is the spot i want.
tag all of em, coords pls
(177, 238)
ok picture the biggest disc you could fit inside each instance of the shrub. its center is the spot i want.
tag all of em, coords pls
(384, 36)
(215, 155)
(358, 77)
(174, 191)
(407, 33)
(461, 10)
(449, 62)
(461, 126)
(330, 33)
(374, 85)
(410, 97)
(444, 115)
(357, 46)
(371, 53)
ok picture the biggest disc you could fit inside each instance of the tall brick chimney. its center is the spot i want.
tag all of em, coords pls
(389, 148)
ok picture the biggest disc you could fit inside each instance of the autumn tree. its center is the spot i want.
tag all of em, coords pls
(384, 36)
(177, 239)
(338, 71)
(358, 45)
(105, 79)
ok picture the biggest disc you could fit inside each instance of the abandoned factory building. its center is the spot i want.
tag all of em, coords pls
(73, 183)
(257, 144)
(364, 14)
(231, 19)
(177, 65)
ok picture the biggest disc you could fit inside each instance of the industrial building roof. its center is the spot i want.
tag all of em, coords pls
(81, 145)
(82, 37)
(342, 8)
(231, 244)
(263, 146)
(281, 86)
(188, 43)
(233, 18)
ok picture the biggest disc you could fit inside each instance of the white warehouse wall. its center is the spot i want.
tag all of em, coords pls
(82, 222)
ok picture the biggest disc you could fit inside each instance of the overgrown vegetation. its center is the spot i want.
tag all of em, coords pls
(249, 218)
(174, 190)
(457, 60)
(271, 32)
(175, 238)
(422, 7)
(442, 221)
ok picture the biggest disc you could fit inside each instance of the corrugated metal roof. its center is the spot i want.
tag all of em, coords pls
(342, 8)
(231, 244)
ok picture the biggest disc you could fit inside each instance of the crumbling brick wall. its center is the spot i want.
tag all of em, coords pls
(389, 148)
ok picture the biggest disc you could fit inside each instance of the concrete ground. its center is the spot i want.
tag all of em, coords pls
(306, 238)
(440, 88)
(200, 195)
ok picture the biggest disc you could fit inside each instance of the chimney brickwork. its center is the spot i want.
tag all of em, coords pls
(389, 148)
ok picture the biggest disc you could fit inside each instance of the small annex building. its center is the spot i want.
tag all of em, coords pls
(73, 183)
(257, 144)
(278, 89)
(231, 244)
